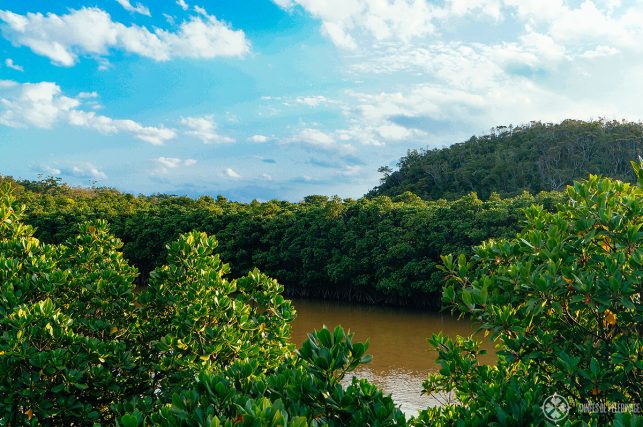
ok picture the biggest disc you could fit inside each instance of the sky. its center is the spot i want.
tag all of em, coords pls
(279, 99)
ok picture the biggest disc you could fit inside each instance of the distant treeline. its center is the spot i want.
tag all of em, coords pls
(534, 157)
(374, 250)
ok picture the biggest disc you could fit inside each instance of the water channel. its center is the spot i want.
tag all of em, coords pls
(401, 356)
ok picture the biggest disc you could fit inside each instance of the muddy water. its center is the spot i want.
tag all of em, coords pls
(401, 356)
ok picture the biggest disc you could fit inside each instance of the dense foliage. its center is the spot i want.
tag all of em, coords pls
(535, 157)
(79, 345)
(563, 301)
(378, 250)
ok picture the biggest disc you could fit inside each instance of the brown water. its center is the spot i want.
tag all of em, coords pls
(401, 356)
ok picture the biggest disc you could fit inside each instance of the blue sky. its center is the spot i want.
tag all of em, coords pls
(285, 98)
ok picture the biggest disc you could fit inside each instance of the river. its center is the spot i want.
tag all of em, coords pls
(397, 336)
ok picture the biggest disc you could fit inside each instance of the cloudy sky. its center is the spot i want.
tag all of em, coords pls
(284, 98)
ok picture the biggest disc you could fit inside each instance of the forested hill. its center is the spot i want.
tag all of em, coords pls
(533, 157)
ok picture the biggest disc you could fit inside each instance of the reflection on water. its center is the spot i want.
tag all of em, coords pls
(401, 356)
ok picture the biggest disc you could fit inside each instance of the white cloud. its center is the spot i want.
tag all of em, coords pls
(433, 115)
(84, 95)
(10, 64)
(312, 101)
(599, 52)
(351, 170)
(387, 117)
(91, 32)
(107, 125)
(34, 104)
(338, 35)
(169, 19)
(318, 140)
(258, 138)
(139, 8)
(204, 128)
(266, 176)
(167, 163)
(43, 105)
(84, 170)
(342, 21)
(50, 170)
(559, 25)
(182, 4)
(231, 173)
(546, 68)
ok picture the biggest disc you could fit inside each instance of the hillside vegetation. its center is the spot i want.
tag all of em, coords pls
(534, 157)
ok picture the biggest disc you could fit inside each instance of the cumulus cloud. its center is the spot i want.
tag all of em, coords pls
(436, 115)
(433, 101)
(49, 170)
(173, 162)
(167, 163)
(10, 64)
(545, 68)
(34, 104)
(343, 21)
(231, 173)
(258, 138)
(315, 139)
(403, 33)
(43, 105)
(204, 128)
(85, 170)
(139, 8)
(350, 170)
(338, 35)
(107, 125)
(91, 31)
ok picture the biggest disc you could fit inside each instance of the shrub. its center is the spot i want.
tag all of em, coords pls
(563, 302)
(80, 345)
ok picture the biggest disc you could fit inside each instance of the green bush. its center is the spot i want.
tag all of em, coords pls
(563, 302)
(79, 344)
(303, 391)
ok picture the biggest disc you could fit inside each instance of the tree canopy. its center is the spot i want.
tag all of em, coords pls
(371, 250)
(533, 157)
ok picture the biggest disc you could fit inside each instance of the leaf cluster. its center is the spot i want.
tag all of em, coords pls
(81, 345)
(562, 300)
